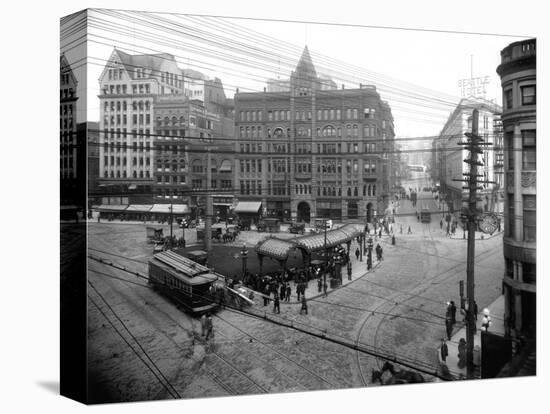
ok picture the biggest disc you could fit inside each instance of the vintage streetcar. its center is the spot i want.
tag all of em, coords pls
(191, 285)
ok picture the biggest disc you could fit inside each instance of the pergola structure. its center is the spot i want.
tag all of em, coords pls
(279, 249)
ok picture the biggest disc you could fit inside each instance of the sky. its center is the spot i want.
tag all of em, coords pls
(416, 71)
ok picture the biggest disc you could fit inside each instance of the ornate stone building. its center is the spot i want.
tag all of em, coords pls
(518, 77)
(314, 152)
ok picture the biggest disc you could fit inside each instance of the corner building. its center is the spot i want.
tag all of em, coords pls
(518, 77)
(314, 152)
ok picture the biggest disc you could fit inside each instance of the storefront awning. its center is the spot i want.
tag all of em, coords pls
(165, 208)
(248, 207)
(139, 208)
(112, 208)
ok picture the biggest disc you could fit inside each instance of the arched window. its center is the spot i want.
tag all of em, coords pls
(166, 121)
(225, 166)
(197, 166)
(355, 191)
(349, 191)
(174, 121)
(364, 190)
(182, 121)
(374, 190)
(278, 133)
(140, 105)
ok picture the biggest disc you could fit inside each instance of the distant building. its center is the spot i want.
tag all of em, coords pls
(185, 131)
(138, 94)
(310, 151)
(89, 131)
(449, 162)
(72, 159)
(518, 77)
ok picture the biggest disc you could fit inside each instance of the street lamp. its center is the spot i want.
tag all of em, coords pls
(244, 257)
(369, 258)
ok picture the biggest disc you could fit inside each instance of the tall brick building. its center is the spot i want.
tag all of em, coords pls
(312, 151)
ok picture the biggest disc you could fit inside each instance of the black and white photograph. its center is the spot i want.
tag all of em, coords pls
(260, 204)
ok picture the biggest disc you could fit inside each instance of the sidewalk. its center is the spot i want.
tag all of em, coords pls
(497, 326)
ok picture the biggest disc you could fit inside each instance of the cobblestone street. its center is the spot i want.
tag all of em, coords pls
(397, 309)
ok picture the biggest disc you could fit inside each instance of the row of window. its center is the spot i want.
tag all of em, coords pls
(66, 93)
(369, 131)
(327, 114)
(528, 96)
(254, 187)
(529, 217)
(118, 174)
(250, 166)
(123, 133)
(110, 121)
(171, 179)
(141, 146)
(528, 150)
(196, 184)
(66, 123)
(112, 160)
(141, 88)
(123, 106)
(66, 110)
(251, 187)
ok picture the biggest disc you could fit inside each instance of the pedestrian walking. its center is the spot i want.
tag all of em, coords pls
(462, 353)
(444, 350)
(475, 310)
(441, 224)
(299, 290)
(380, 233)
(357, 253)
(400, 229)
(453, 312)
(304, 305)
(486, 321)
(276, 304)
(282, 291)
(203, 324)
(409, 231)
(349, 270)
(448, 328)
(325, 287)
(319, 284)
(209, 327)
(266, 295)
(288, 292)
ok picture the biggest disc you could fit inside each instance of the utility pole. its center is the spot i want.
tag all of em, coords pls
(326, 255)
(209, 206)
(471, 178)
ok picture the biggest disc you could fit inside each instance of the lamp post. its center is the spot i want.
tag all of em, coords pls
(369, 258)
(244, 257)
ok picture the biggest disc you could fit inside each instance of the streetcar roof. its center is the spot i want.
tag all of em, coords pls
(183, 268)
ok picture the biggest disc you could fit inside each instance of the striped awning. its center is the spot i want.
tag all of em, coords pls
(248, 207)
(112, 208)
(139, 208)
(165, 208)
(316, 242)
(275, 248)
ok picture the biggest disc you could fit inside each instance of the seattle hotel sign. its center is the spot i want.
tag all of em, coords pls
(476, 87)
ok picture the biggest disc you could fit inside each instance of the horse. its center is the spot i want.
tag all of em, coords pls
(407, 377)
